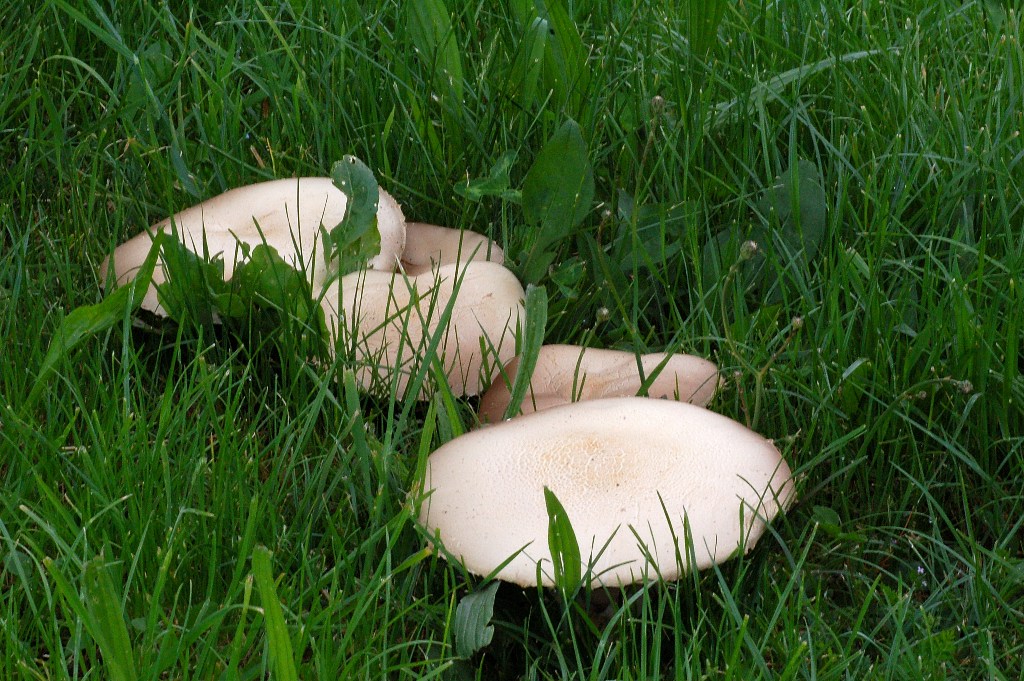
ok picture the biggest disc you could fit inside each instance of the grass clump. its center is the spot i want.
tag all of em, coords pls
(189, 487)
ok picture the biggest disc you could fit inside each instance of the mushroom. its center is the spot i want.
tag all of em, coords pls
(387, 320)
(570, 373)
(428, 246)
(286, 214)
(643, 482)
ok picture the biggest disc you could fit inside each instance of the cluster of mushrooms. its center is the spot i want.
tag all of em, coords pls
(652, 487)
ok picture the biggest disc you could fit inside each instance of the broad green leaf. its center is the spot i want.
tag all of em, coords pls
(155, 69)
(194, 283)
(536, 263)
(275, 295)
(472, 629)
(996, 13)
(568, 277)
(265, 278)
(565, 61)
(356, 180)
(279, 643)
(826, 517)
(559, 187)
(830, 523)
(89, 320)
(528, 65)
(180, 165)
(653, 234)
(101, 614)
(551, 58)
(533, 338)
(103, 602)
(431, 31)
(557, 193)
(565, 549)
(796, 205)
(793, 225)
(497, 182)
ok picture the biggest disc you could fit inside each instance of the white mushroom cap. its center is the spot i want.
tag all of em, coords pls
(391, 225)
(633, 474)
(289, 213)
(387, 320)
(570, 373)
(430, 246)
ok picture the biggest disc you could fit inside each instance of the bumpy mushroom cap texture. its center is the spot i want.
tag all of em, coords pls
(285, 214)
(430, 246)
(570, 373)
(636, 476)
(386, 321)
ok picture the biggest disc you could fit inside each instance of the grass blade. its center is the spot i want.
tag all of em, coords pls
(533, 338)
(565, 549)
(280, 644)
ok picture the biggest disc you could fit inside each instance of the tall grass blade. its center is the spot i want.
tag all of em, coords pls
(278, 641)
(533, 338)
(564, 547)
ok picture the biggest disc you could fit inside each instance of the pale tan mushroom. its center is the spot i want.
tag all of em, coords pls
(639, 479)
(285, 214)
(430, 246)
(386, 322)
(570, 373)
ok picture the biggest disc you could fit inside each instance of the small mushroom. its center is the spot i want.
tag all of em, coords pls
(637, 478)
(286, 214)
(429, 246)
(570, 373)
(386, 321)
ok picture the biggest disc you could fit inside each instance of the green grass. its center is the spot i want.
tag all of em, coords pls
(153, 469)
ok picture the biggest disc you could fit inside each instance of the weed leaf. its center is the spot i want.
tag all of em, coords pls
(793, 223)
(87, 321)
(559, 186)
(797, 201)
(551, 54)
(497, 182)
(101, 614)
(430, 29)
(472, 629)
(524, 76)
(557, 192)
(565, 63)
(194, 291)
(356, 180)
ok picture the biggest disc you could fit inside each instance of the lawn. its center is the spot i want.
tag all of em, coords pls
(182, 505)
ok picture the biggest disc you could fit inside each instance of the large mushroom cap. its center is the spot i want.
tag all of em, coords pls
(387, 321)
(570, 373)
(286, 214)
(634, 475)
(391, 225)
(430, 246)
